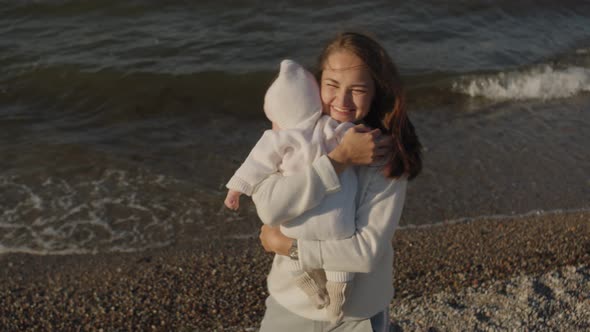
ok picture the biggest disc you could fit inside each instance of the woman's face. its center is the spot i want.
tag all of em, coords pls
(347, 88)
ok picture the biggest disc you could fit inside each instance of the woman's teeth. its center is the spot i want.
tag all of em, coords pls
(337, 109)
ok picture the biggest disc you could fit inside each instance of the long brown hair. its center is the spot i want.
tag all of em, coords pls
(388, 108)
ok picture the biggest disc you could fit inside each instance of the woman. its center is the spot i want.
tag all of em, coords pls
(358, 83)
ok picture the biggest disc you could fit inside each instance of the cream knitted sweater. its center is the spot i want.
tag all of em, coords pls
(368, 252)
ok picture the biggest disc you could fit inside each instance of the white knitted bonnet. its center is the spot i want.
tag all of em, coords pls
(293, 99)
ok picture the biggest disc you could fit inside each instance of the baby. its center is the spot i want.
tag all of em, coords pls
(293, 104)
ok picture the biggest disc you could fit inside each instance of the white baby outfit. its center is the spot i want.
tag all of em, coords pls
(293, 102)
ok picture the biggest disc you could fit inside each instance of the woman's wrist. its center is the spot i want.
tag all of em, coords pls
(338, 159)
(283, 246)
(273, 240)
(294, 250)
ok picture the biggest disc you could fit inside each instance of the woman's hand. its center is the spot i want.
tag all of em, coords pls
(274, 241)
(360, 145)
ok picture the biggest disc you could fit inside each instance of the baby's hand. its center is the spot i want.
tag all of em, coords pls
(232, 200)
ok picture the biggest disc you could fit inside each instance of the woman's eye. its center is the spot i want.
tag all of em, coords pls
(359, 92)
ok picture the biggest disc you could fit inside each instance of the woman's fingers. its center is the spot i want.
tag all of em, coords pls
(383, 150)
(363, 146)
(273, 240)
(375, 133)
(382, 146)
(361, 128)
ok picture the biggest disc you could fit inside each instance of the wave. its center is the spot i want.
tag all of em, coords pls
(543, 82)
(119, 94)
(129, 95)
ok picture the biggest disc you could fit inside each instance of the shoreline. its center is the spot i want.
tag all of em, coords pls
(221, 284)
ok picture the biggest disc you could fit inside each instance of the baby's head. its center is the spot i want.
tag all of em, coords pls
(293, 98)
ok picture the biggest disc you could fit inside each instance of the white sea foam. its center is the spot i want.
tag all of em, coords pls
(543, 82)
(54, 216)
(111, 213)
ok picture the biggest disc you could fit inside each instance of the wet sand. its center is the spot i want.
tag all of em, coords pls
(220, 285)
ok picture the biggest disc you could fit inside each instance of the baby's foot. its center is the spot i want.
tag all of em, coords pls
(232, 200)
(316, 294)
(337, 294)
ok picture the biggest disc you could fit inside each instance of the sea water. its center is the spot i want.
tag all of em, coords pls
(120, 122)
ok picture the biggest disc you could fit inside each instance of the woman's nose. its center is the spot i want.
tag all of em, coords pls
(344, 99)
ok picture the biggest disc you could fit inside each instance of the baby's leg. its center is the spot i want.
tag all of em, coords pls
(232, 200)
(304, 280)
(338, 288)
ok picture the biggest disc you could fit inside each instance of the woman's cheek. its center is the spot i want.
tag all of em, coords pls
(326, 97)
(365, 102)
(360, 113)
(326, 94)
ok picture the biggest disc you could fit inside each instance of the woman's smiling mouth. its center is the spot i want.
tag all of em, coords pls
(341, 110)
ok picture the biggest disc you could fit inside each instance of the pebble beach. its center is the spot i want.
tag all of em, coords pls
(526, 273)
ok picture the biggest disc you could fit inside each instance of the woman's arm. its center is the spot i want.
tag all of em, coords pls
(360, 146)
(377, 217)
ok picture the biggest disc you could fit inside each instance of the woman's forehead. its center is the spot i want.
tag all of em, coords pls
(343, 61)
(346, 69)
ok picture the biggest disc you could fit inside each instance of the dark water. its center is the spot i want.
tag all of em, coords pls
(120, 122)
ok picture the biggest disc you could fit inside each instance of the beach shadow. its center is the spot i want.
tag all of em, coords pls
(394, 327)
(542, 289)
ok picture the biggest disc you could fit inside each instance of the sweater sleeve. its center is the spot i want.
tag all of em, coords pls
(281, 198)
(264, 159)
(377, 217)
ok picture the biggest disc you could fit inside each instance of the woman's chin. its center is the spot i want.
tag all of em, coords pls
(343, 117)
